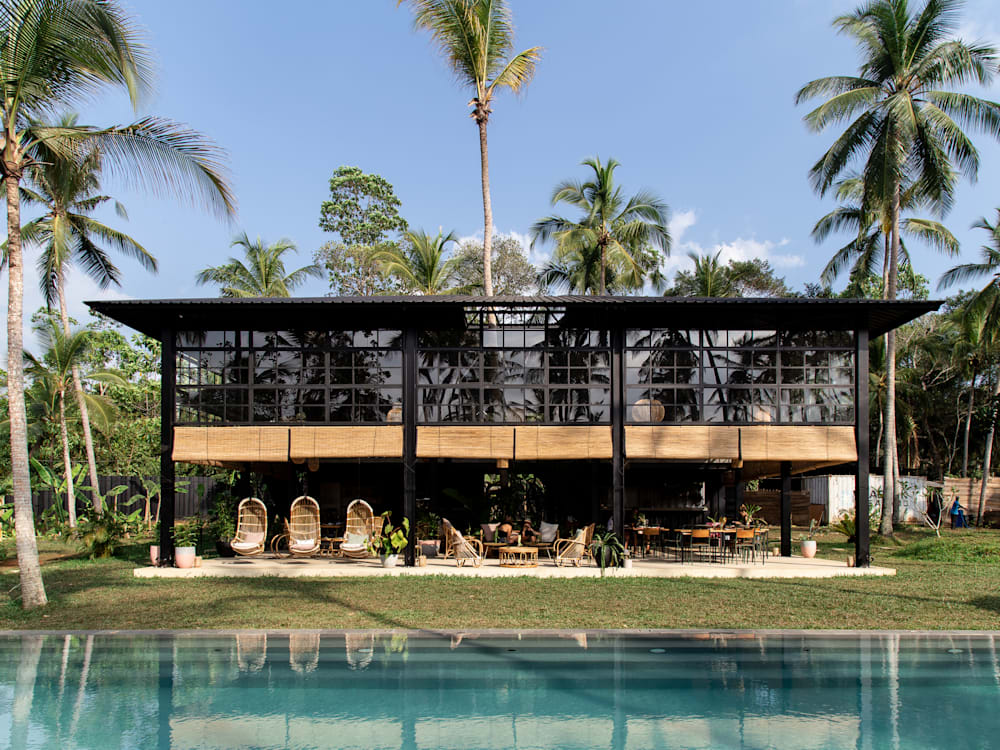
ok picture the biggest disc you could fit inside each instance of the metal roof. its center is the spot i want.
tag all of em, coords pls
(152, 316)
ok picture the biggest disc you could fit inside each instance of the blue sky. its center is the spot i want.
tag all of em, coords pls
(694, 99)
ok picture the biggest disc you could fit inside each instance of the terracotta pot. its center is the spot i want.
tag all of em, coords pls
(154, 554)
(184, 557)
(809, 548)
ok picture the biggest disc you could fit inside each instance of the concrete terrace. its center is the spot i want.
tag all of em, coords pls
(325, 567)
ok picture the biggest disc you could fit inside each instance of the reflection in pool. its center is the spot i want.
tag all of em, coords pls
(469, 690)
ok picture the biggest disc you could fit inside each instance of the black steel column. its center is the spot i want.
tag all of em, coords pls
(862, 554)
(786, 508)
(168, 366)
(410, 438)
(617, 431)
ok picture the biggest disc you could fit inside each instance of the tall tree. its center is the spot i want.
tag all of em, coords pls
(422, 264)
(904, 126)
(513, 273)
(261, 272)
(982, 315)
(627, 235)
(58, 367)
(738, 278)
(68, 189)
(476, 38)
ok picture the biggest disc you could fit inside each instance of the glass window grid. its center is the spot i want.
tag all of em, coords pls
(811, 380)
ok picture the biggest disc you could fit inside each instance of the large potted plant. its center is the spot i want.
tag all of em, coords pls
(223, 524)
(607, 550)
(427, 532)
(154, 548)
(185, 543)
(391, 541)
(808, 545)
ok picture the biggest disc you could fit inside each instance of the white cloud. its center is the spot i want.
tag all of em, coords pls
(680, 222)
(78, 289)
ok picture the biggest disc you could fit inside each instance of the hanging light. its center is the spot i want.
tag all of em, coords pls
(313, 464)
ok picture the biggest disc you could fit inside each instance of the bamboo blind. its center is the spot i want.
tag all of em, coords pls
(754, 443)
(228, 444)
(552, 442)
(465, 442)
(346, 442)
(691, 442)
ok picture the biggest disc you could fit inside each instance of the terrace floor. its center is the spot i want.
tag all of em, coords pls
(650, 567)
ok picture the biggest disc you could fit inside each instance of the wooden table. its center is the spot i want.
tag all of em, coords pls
(489, 546)
(518, 557)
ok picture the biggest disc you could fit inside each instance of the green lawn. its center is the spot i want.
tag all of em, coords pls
(949, 583)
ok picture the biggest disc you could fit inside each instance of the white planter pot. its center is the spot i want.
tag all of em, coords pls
(154, 554)
(627, 563)
(184, 557)
(809, 548)
(389, 561)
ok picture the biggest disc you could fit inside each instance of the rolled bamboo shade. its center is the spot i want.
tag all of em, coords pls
(555, 442)
(227, 444)
(346, 442)
(462, 441)
(762, 443)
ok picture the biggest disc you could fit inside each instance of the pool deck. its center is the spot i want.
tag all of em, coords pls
(325, 567)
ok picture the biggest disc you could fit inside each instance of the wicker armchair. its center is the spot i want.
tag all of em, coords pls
(251, 527)
(464, 550)
(360, 530)
(303, 527)
(571, 551)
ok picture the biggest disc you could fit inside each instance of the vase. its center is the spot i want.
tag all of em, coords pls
(389, 561)
(184, 557)
(154, 554)
(809, 548)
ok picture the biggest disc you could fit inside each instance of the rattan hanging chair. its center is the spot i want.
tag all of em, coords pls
(360, 530)
(303, 527)
(251, 527)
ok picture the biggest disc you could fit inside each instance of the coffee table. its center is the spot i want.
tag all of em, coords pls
(518, 557)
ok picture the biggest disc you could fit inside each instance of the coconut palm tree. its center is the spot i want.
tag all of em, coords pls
(905, 126)
(868, 251)
(261, 273)
(68, 189)
(56, 367)
(708, 278)
(476, 38)
(625, 234)
(422, 264)
(982, 316)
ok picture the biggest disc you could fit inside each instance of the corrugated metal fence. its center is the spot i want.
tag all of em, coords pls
(191, 499)
(836, 493)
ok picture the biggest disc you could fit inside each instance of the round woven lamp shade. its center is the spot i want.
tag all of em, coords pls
(648, 410)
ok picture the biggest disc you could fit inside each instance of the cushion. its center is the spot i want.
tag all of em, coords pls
(489, 531)
(244, 545)
(303, 544)
(547, 532)
(253, 537)
(355, 540)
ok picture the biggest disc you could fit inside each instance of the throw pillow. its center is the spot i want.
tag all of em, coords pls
(547, 532)
(489, 531)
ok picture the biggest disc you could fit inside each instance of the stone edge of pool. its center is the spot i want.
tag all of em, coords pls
(692, 633)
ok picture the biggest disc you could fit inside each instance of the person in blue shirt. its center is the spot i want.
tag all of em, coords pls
(958, 516)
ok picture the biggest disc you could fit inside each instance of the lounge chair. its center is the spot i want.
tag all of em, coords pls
(571, 551)
(303, 527)
(251, 527)
(464, 550)
(360, 530)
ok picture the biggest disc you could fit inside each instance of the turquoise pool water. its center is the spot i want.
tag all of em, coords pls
(416, 691)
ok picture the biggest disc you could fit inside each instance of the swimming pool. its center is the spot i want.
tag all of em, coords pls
(469, 690)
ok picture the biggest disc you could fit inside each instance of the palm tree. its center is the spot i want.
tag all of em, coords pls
(903, 128)
(422, 264)
(58, 368)
(625, 235)
(69, 191)
(708, 278)
(476, 38)
(982, 315)
(261, 273)
(869, 248)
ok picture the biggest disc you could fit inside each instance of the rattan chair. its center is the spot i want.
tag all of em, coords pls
(303, 527)
(251, 527)
(360, 530)
(464, 550)
(571, 551)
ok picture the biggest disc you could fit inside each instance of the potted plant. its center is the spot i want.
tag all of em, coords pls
(749, 512)
(154, 548)
(392, 540)
(223, 524)
(427, 532)
(607, 550)
(185, 540)
(808, 545)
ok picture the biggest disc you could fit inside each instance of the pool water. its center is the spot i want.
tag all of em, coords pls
(461, 691)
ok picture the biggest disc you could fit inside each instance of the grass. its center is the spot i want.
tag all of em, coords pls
(953, 582)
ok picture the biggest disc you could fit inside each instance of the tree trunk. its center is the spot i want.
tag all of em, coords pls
(81, 403)
(604, 268)
(889, 469)
(988, 454)
(32, 588)
(67, 462)
(968, 428)
(484, 159)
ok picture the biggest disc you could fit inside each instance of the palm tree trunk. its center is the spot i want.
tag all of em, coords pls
(968, 428)
(32, 588)
(988, 454)
(604, 268)
(81, 403)
(484, 159)
(889, 469)
(67, 462)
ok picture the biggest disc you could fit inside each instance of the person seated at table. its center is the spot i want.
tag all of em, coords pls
(528, 534)
(505, 531)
